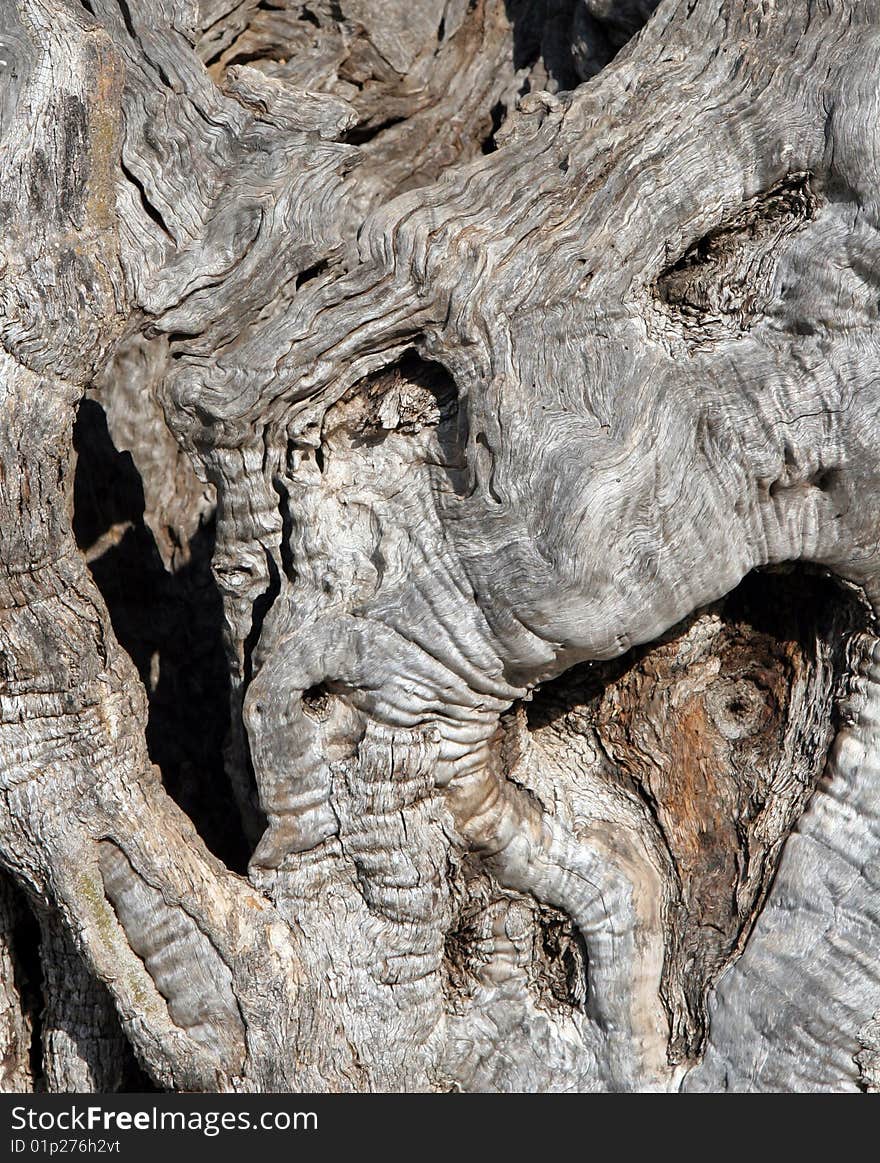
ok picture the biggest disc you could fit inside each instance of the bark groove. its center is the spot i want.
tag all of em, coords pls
(438, 544)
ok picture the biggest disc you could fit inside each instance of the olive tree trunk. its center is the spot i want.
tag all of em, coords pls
(439, 545)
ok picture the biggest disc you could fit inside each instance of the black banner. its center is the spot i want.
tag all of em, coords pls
(263, 1128)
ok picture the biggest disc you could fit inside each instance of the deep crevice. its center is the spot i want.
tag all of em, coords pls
(569, 40)
(316, 701)
(311, 272)
(542, 32)
(565, 976)
(260, 609)
(408, 397)
(24, 950)
(497, 113)
(287, 563)
(361, 134)
(125, 12)
(723, 282)
(170, 624)
(555, 971)
(246, 58)
(148, 207)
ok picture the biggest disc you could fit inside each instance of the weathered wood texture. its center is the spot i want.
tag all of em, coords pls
(443, 655)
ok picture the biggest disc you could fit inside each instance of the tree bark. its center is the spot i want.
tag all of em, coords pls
(439, 544)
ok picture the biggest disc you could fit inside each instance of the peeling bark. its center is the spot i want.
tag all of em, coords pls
(438, 543)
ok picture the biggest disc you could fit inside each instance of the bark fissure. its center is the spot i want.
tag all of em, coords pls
(442, 371)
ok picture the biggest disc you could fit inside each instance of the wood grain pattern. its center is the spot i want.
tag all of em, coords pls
(521, 358)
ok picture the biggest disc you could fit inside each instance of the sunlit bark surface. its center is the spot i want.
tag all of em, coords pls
(439, 545)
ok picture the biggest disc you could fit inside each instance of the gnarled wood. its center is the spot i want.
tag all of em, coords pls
(513, 354)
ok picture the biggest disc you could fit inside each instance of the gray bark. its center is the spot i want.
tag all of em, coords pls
(515, 366)
(83, 1049)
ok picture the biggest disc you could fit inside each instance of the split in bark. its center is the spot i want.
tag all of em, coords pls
(487, 350)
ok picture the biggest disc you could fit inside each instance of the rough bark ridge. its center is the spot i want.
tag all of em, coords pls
(487, 349)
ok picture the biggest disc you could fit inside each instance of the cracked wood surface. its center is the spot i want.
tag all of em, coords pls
(498, 345)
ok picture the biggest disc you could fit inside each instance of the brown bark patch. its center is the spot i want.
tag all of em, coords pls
(720, 731)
